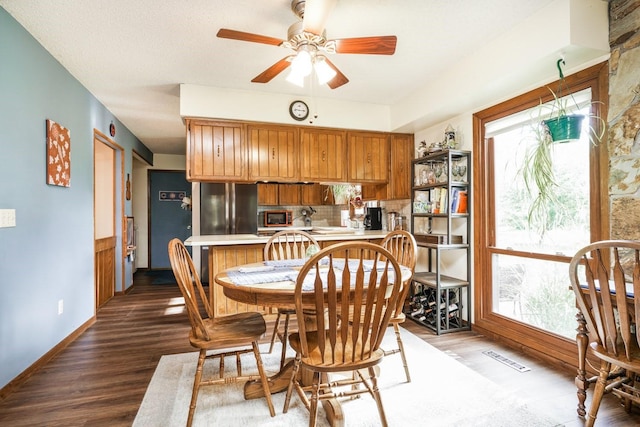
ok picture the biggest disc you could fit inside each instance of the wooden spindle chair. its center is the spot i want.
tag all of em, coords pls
(214, 335)
(605, 277)
(402, 246)
(286, 244)
(333, 286)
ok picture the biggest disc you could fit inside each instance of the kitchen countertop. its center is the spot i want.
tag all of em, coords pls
(322, 235)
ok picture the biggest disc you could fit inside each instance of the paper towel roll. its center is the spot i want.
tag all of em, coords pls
(345, 221)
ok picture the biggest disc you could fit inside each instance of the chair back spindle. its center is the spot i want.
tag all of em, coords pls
(346, 285)
(288, 244)
(195, 297)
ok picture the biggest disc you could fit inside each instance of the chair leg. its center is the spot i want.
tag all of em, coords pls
(377, 397)
(196, 386)
(401, 347)
(294, 374)
(315, 391)
(601, 383)
(263, 378)
(275, 332)
(284, 339)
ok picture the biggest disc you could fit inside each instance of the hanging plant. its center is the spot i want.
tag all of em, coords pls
(554, 123)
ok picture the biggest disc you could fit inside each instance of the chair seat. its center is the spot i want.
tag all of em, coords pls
(314, 358)
(398, 318)
(620, 360)
(230, 331)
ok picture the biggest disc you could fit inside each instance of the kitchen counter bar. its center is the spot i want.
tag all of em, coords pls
(253, 239)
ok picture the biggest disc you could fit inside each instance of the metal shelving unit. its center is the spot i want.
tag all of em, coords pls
(441, 301)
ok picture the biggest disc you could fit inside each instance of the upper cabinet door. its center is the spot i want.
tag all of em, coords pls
(273, 154)
(322, 155)
(368, 157)
(216, 151)
(402, 153)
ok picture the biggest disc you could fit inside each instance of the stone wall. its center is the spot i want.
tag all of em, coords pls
(624, 118)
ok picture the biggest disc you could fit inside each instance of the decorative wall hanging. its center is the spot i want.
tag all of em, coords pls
(128, 188)
(58, 154)
(171, 196)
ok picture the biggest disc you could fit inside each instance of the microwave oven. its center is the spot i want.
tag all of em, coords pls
(278, 218)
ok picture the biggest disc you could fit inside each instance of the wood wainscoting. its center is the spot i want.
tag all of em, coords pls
(105, 269)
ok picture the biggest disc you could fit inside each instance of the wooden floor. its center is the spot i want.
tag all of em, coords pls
(101, 378)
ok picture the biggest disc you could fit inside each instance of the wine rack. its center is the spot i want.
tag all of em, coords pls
(439, 310)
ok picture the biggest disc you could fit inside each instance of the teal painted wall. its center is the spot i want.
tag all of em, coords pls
(48, 256)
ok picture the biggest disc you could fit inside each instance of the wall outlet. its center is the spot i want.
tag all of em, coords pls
(7, 218)
(60, 306)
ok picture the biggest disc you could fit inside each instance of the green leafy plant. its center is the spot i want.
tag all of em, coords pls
(537, 170)
(342, 193)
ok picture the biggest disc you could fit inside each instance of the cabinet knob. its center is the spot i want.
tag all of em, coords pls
(218, 150)
(273, 153)
(324, 155)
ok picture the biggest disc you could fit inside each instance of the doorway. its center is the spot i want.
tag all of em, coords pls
(107, 188)
(167, 218)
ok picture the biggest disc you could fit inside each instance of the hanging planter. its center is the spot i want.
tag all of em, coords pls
(565, 128)
(553, 122)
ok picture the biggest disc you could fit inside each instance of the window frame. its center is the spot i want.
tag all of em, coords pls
(545, 344)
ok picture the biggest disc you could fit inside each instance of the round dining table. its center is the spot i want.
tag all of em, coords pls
(271, 285)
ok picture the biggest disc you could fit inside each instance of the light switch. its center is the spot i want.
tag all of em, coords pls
(7, 218)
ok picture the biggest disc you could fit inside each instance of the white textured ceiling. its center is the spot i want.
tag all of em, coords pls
(133, 54)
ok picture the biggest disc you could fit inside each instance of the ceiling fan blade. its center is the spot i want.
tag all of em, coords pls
(248, 37)
(339, 79)
(272, 71)
(316, 13)
(379, 45)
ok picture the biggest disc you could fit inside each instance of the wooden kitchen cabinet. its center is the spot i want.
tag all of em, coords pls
(313, 194)
(401, 150)
(400, 179)
(288, 194)
(267, 194)
(273, 194)
(322, 155)
(216, 151)
(368, 154)
(273, 153)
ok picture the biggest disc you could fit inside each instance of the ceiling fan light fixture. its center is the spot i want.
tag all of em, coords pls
(324, 72)
(295, 78)
(301, 64)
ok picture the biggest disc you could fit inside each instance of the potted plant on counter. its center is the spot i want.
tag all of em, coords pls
(342, 193)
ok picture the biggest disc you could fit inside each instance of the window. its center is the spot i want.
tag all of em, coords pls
(521, 279)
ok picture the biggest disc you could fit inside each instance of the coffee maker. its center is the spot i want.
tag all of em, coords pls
(373, 219)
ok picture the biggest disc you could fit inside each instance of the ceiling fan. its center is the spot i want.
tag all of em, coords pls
(307, 39)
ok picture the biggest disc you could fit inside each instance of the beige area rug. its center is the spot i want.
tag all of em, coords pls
(443, 392)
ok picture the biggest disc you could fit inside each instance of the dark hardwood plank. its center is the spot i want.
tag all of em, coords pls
(100, 378)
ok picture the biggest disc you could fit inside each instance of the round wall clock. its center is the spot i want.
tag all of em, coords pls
(299, 110)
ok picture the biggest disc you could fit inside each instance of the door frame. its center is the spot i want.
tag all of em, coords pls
(118, 208)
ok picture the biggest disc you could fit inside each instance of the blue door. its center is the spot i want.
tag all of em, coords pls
(167, 219)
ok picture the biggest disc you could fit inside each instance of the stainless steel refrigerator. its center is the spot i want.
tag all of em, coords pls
(227, 208)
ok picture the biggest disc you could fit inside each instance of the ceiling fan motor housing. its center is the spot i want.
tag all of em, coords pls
(297, 6)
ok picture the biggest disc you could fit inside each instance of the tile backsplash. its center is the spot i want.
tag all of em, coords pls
(329, 215)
